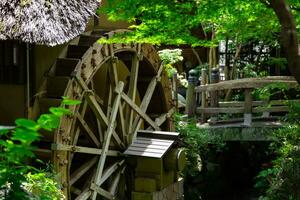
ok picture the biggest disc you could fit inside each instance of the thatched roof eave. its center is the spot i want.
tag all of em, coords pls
(49, 22)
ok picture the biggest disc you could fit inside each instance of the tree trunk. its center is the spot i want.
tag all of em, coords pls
(289, 35)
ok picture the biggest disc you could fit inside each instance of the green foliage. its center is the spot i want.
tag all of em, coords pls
(249, 71)
(198, 143)
(17, 147)
(170, 57)
(281, 62)
(42, 185)
(282, 180)
(266, 92)
(173, 22)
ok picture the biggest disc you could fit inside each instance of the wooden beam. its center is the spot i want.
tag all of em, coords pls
(220, 110)
(97, 109)
(101, 191)
(84, 195)
(132, 87)
(115, 182)
(271, 109)
(114, 77)
(80, 149)
(146, 99)
(87, 130)
(110, 170)
(256, 103)
(248, 107)
(108, 135)
(75, 176)
(248, 83)
(139, 111)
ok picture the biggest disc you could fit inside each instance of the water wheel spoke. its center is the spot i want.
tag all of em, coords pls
(87, 130)
(110, 170)
(116, 179)
(99, 100)
(113, 74)
(75, 190)
(99, 128)
(101, 191)
(77, 132)
(75, 176)
(108, 135)
(109, 107)
(97, 109)
(84, 195)
(141, 113)
(86, 150)
(133, 85)
(162, 118)
(146, 99)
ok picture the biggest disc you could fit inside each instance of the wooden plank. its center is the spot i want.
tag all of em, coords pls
(87, 130)
(158, 134)
(139, 111)
(146, 149)
(145, 154)
(151, 142)
(146, 99)
(248, 107)
(114, 77)
(84, 195)
(108, 135)
(256, 103)
(101, 191)
(75, 176)
(133, 86)
(248, 83)
(219, 110)
(271, 109)
(203, 94)
(109, 102)
(163, 117)
(110, 170)
(80, 149)
(151, 146)
(116, 179)
(75, 190)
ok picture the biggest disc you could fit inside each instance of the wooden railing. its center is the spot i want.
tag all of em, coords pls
(204, 100)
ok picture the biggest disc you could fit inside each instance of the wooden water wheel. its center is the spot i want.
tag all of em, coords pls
(122, 88)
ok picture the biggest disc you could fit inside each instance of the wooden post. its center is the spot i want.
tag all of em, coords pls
(175, 90)
(191, 96)
(248, 107)
(203, 94)
(214, 95)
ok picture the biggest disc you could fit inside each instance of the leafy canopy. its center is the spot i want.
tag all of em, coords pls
(176, 21)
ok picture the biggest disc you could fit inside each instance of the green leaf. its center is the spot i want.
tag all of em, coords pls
(70, 102)
(60, 111)
(27, 123)
(48, 121)
(3, 131)
(25, 135)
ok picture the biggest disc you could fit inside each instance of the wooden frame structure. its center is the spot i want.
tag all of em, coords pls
(247, 107)
(87, 149)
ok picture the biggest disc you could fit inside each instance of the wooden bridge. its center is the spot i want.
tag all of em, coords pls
(247, 117)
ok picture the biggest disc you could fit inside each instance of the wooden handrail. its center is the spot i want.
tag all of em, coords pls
(248, 83)
(248, 107)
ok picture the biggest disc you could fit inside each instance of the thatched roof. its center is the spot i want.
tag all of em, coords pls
(49, 22)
